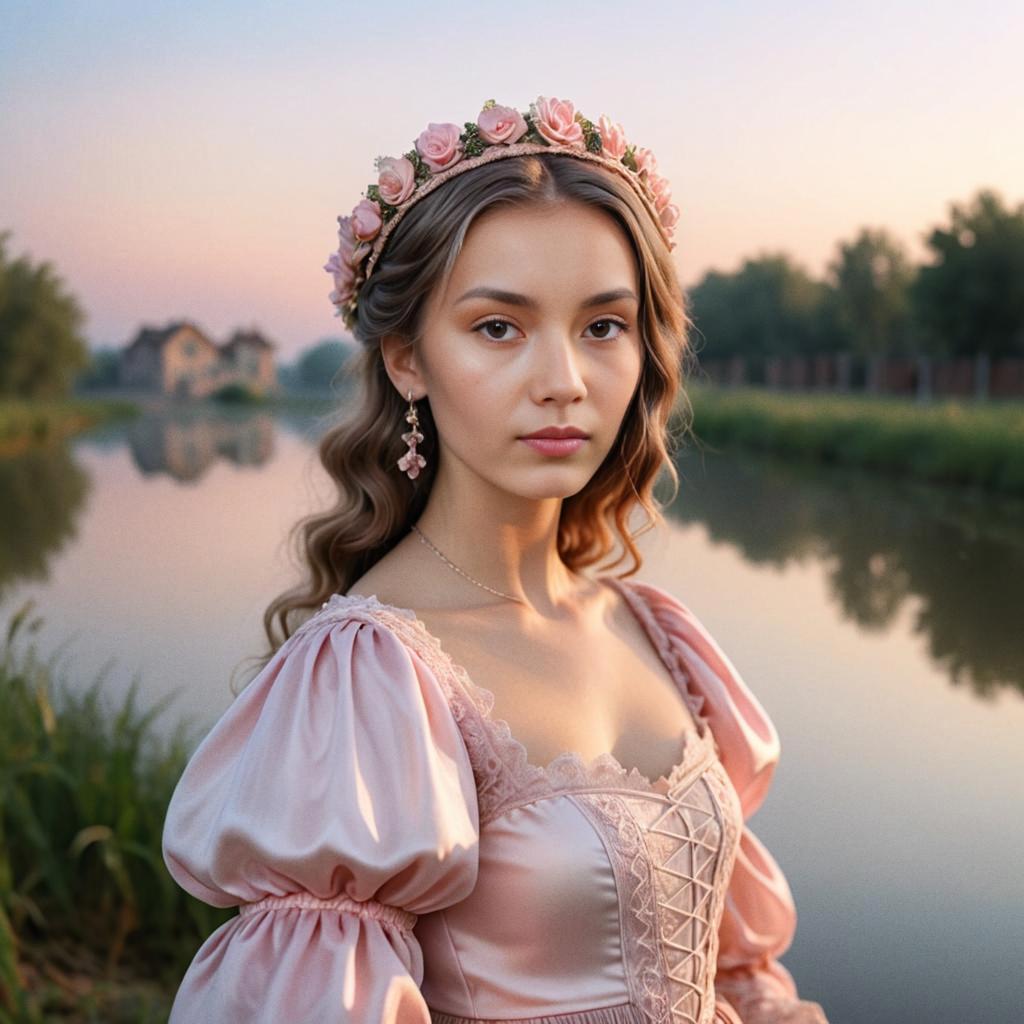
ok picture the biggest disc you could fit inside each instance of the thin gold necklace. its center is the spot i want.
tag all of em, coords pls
(448, 561)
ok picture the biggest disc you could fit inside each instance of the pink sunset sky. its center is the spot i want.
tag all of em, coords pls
(190, 161)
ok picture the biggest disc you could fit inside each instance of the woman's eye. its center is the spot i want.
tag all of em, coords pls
(502, 325)
(603, 325)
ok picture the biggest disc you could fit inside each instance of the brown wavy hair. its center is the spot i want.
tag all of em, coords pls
(376, 503)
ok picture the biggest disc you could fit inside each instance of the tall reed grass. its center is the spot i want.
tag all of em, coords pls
(978, 444)
(92, 927)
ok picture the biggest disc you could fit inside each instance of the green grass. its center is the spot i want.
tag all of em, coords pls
(32, 422)
(978, 444)
(92, 927)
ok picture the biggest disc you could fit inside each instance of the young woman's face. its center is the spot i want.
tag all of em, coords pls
(536, 329)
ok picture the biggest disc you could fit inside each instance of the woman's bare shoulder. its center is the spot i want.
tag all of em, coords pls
(404, 578)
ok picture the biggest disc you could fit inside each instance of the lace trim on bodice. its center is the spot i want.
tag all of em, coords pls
(504, 774)
(728, 800)
(634, 880)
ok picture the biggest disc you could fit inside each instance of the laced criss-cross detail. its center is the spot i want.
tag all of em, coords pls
(670, 860)
(690, 833)
(505, 775)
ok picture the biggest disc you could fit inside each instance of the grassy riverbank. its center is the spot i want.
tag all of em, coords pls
(92, 927)
(23, 423)
(979, 444)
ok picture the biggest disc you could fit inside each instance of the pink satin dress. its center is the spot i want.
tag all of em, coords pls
(396, 858)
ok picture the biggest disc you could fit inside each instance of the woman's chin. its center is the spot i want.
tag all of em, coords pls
(544, 482)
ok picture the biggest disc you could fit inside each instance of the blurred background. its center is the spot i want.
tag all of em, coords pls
(851, 242)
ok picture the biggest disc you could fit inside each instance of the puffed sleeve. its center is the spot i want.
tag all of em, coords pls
(333, 802)
(759, 918)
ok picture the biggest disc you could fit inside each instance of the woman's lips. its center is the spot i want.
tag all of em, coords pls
(555, 445)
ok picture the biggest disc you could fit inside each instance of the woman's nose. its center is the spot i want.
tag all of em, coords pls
(557, 373)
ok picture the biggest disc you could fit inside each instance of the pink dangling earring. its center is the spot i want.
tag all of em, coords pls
(412, 462)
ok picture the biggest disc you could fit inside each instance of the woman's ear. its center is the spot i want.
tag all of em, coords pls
(401, 364)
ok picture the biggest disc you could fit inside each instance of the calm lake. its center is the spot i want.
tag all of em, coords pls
(880, 623)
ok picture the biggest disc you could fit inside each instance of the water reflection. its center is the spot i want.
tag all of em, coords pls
(185, 446)
(42, 493)
(884, 544)
(955, 561)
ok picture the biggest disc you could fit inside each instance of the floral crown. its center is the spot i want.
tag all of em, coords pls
(443, 150)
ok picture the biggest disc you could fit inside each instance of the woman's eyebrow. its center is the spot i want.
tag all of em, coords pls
(515, 299)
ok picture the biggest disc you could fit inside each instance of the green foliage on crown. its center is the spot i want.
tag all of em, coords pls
(422, 171)
(591, 136)
(472, 144)
(387, 211)
(532, 135)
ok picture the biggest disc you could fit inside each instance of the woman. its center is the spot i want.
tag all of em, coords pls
(478, 783)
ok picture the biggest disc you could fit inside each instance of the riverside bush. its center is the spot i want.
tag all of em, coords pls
(979, 444)
(92, 926)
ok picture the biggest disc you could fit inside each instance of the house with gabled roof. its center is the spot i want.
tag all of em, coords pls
(181, 360)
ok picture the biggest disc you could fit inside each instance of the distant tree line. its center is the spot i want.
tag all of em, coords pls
(968, 300)
(318, 368)
(42, 347)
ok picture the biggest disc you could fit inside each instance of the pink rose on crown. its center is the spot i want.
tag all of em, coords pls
(344, 277)
(350, 247)
(556, 121)
(613, 138)
(396, 179)
(499, 124)
(645, 161)
(439, 145)
(366, 220)
(669, 215)
(661, 189)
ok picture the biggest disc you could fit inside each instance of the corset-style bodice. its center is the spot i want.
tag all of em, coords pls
(599, 892)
